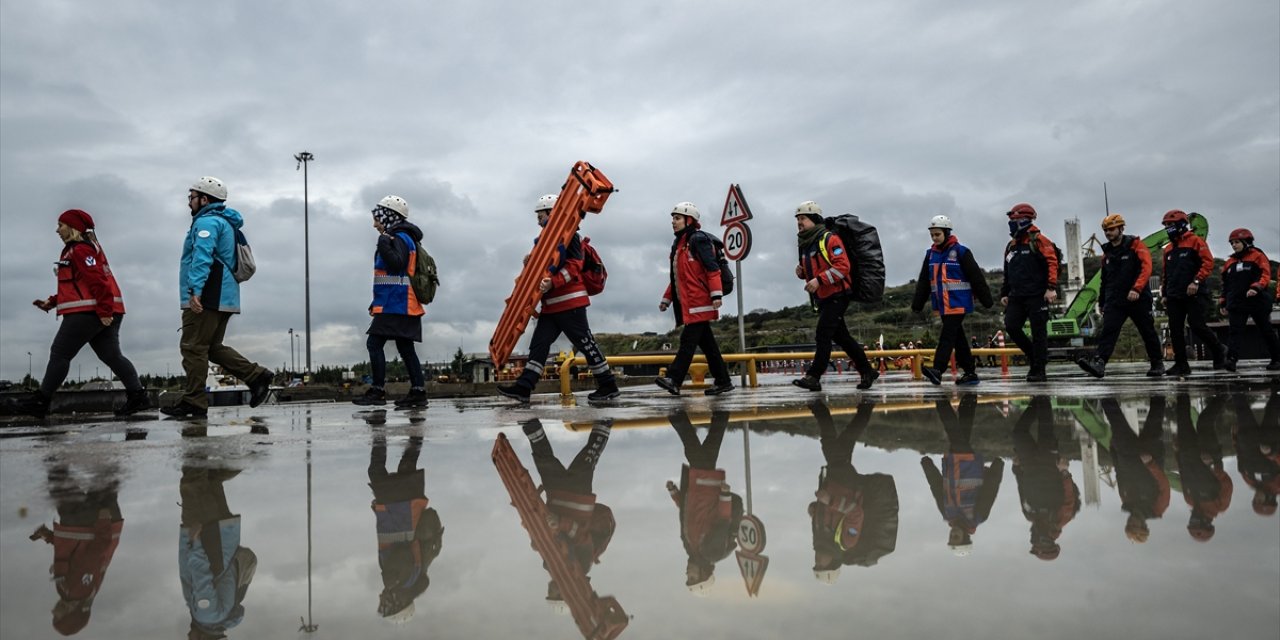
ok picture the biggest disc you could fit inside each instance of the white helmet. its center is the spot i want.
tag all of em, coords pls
(962, 550)
(559, 607)
(827, 576)
(940, 222)
(546, 203)
(808, 208)
(396, 204)
(210, 186)
(686, 209)
(702, 589)
(402, 616)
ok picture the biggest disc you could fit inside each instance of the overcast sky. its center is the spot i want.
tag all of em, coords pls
(897, 111)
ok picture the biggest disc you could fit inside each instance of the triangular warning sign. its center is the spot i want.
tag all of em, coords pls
(735, 207)
(752, 567)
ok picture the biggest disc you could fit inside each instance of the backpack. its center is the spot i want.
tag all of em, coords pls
(245, 265)
(862, 241)
(726, 274)
(594, 274)
(425, 279)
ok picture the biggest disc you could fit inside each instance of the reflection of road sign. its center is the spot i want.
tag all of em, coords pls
(735, 207)
(753, 568)
(737, 241)
(751, 534)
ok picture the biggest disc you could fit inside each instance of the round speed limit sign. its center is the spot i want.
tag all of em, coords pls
(737, 241)
(751, 534)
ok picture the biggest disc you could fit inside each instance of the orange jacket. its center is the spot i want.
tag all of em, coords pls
(85, 282)
(695, 278)
(828, 261)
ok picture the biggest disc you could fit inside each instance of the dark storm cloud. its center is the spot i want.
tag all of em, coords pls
(896, 111)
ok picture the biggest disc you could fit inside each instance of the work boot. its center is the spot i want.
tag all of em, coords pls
(185, 409)
(260, 388)
(1156, 370)
(666, 383)
(134, 401)
(718, 389)
(35, 405)
(931, 374)
(373, 397)
(1036, 374)
(604, 392)
(968, 379)
(1178, 369)
(808, 382)
(868, 377)
(515, 392)
(417, 398)
(1229, 364)
(1095, 366)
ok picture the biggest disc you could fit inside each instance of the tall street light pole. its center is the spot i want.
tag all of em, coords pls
(303, 158)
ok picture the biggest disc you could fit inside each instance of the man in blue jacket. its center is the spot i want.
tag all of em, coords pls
(210, 295)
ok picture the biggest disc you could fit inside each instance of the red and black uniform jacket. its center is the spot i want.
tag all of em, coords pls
(567, 289)
(1186, 260)
(81, 555)
(1125, 268)
(709, 513)
(1248, 269)
(694, 282)
(1030, 266)
(85, 283)
(826, 260)
(584, 525)
(1206, 488)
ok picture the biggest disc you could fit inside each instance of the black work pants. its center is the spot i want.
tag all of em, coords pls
(1239, 317)
(1184, 311)
(1019, 310)
(77, 330)
(698, 335)
(578, 476)
(572, 323)
(952, 337)
(1113, 317)
(378, 360)
(832, 329)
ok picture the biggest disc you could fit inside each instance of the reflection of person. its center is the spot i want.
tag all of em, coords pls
(582, 525)
(1139, 464)
(409, 532)
(709, 511)
(855, 516)
(215, 570)
(1049, 496)
(1205, 484)
(965, 488)
(1258, 451)
(84, 540)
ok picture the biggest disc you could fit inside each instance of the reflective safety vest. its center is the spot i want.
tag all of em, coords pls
(85, 283)
(397, 525)
(393, 292)
(962, 475)
(949, 288)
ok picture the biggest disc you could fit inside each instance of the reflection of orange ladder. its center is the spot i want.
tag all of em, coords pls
(598, 618)
(584, 192)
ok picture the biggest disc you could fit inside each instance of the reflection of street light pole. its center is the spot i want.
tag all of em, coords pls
(29, 366)
(293, 363)
(307, 624)
(303, 158)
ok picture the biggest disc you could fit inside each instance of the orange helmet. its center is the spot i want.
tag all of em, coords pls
(1022, 211)
(1112, 221)
(1174, 216)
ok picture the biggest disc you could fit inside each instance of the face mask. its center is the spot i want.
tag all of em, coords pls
(1174, 230)
(1018, 226)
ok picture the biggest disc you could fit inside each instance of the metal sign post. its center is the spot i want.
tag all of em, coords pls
(737, 244)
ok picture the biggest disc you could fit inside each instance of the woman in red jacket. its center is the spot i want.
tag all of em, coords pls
(1246, 293)
(695, 290)
(89, 303)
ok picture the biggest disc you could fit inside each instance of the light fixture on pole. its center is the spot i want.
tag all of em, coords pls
(303, 158)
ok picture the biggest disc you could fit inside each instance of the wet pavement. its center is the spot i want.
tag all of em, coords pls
(1122, 508)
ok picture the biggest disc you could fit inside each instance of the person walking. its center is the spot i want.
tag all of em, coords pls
(1187, 265)
(396, 311)
(91, 308)
(1124, 294)
(564, 311)
(824, 267)
(950, 278)
(965, 488)
(1246, 293)
(695, 291)
(210, 295)
(1030, 286)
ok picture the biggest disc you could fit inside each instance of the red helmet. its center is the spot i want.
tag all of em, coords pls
(1022, 211)
(1174, 216)
(1243, 235)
